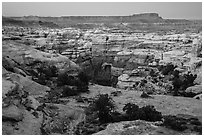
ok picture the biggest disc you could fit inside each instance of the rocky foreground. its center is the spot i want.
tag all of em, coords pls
(26, 111)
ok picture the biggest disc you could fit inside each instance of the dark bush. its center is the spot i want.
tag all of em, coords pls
(169, 68)
(53, 96)
(83, 77)
(188, 81)
(131, 110)
(182, 82)
(147, 113)
(175, 123)
(150, 114)
(65, 79)
(99, 112)
(181, 123)
(69, 91)
(47, 70)
(104, 107)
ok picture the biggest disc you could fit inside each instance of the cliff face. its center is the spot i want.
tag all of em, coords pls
(150, 17)
(145, 21)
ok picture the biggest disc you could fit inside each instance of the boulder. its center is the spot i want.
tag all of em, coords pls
(30, 124)
(123, 77)
(116, 71)
(199, 97)
(28, 57)
(125, 84)
(194, 90)
(19, 71)
(7, 86)
(137, 127)
(30, 86)
(198, 79)
(32, 102)
(11, 113)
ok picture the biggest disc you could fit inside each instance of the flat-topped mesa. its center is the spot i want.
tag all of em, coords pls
(145, 17)
(153, 15)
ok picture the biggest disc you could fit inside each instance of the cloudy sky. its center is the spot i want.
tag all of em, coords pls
(181, 10)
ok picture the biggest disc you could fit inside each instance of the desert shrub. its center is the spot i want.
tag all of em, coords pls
(169, 68)
(47, 70)
(147, 113)
(69, 91)
(174, 123)
(41, 79)
(43, 72)
(83, 77)
(177, 83)
(82, 99)
(152, 73)
(78, 83)
(83, 82)
(182, 82)
(52, 96)
(98, 113)
(188, 80)
(65, 79)
(104, 107)
(150, 114)
(131, 110)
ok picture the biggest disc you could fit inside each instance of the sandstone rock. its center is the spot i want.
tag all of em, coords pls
(138, 127)
(19, 71)
(32, 102)
(63, 119)
(7, 86)
(199, 97)
(198, 79)
(12, 113)
(194, 90)
(30, 86)
(4, 71)
(125, 53)
(125, 84)
(28, 56)
(123, 77)
(116, 71)
(30, 125)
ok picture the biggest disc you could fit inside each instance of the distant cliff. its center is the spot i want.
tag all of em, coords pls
(142, 18)
(135, 21)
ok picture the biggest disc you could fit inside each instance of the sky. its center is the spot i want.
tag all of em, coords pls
(167, 10)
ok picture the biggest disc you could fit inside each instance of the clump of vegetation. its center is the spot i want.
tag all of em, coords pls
(98, 114)
(73, 85)
(65, 79)
(47, 70)
(69, 91)
(104, 107)
(147, 113)
(53, 96)
(180, 123)
(83, 77)
(168, 69)
(182, 82)
(42, 72)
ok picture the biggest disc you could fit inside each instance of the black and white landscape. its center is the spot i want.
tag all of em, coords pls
(137, 74)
